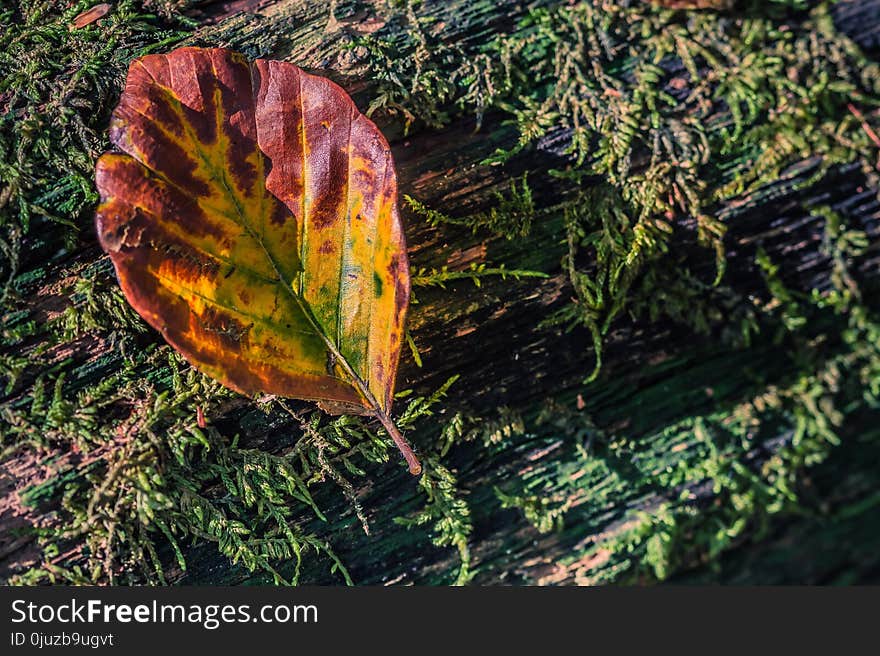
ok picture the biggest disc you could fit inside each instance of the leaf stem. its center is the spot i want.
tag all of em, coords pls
(415, 467)
(379, 413)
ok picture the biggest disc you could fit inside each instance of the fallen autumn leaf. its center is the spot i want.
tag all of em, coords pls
(89, 16)
(251, 214)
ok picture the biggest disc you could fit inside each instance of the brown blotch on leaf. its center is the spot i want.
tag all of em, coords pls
(162, 109)
(280, 214)
(232, 332)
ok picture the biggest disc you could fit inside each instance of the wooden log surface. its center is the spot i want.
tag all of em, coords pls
(655, 374)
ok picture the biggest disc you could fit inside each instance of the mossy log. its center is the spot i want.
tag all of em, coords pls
(655, 375)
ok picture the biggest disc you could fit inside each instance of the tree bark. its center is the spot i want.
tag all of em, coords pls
(654, 374)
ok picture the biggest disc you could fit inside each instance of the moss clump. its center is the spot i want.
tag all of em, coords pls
(661, 126)
(57, 89)
(677, 113)
(719, 477)
(154, 479)
(510, 216)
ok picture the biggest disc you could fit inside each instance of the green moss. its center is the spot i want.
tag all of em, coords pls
(155, 477)
(474, 273)
(677, 113)
(718, 477)
(666, 118)
(57, 88)
(511, 216)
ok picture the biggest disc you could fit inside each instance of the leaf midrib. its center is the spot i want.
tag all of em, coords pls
(220, 176)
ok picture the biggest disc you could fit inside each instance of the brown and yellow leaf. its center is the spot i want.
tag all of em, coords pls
(695, 4)
(89, 16)
(251, 214)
